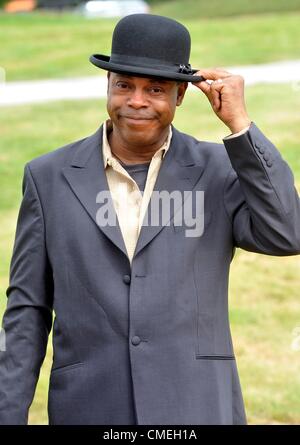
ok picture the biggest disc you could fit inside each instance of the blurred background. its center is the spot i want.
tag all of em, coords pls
(50, 95)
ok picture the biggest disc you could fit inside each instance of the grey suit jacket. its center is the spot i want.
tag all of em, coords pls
(148, 343)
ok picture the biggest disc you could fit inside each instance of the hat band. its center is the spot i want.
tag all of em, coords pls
(148, 62)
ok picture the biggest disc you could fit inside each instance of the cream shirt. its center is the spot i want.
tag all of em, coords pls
(129, 202)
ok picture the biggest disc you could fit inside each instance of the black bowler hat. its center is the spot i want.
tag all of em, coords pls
(149, 45)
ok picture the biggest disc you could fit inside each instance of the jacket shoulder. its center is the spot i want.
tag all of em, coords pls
(59, 157)
(207, 152)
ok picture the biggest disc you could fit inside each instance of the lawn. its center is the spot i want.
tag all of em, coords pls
(191, 9)
(41, 45)
(264, 291)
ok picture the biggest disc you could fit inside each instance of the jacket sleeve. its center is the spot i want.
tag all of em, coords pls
(27, 320)
(260, 196)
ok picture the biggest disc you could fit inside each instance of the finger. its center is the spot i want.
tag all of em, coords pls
(215, 99)
(197, 74)
(216, 88)
(203, 86)
(213, 74)
(223, 71)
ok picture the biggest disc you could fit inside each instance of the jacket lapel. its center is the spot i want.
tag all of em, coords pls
(178, 172)
(86, 177)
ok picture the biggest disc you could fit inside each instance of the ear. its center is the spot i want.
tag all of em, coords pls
(182, 86)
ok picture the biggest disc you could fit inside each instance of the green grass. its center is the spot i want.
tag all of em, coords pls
(52, 45)
(264, 312)
(264, 291)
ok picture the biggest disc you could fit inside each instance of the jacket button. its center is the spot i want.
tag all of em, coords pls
(135, 340)
(126, 279)
(261, 150)
(269, 163)
(266, 156)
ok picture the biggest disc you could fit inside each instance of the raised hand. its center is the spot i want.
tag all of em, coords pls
(226, 96)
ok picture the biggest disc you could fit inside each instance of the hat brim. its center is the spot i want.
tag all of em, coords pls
(102, 61)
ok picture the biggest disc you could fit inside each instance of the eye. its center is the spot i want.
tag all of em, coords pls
(156, 90)
(122, 85)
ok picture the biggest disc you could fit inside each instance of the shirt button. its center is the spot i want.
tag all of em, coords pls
(135, 340)
(126, 279)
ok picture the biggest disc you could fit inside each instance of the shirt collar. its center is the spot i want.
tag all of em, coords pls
(106, 150)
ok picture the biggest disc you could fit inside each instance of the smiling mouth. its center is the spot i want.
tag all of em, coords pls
(138, 118)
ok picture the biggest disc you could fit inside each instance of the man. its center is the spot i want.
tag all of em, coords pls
(141, 332)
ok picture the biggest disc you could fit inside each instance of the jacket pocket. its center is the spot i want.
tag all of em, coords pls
(60, 369)
(212, 339)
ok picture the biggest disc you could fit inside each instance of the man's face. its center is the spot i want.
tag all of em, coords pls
(142, 108)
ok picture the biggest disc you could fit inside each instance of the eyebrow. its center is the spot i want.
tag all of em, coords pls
(152, 80)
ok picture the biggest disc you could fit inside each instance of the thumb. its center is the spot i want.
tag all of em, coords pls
(204, 86)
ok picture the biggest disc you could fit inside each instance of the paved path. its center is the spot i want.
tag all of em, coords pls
(18, 93)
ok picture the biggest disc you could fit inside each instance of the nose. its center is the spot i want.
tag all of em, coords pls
(137, 99)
